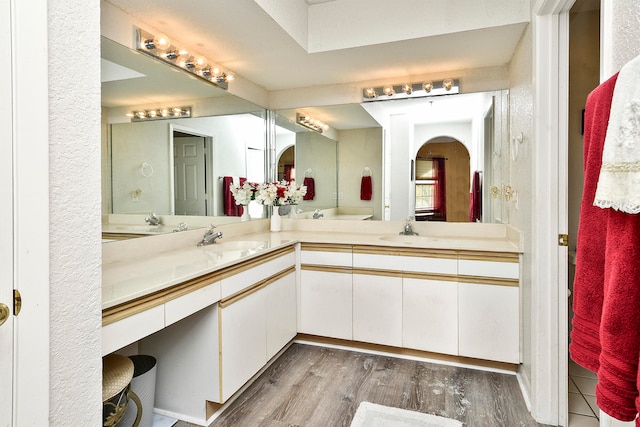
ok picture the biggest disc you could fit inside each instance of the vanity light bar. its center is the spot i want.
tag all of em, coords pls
(309, 123)
(161, 48)
(411, 90)
(159, 114)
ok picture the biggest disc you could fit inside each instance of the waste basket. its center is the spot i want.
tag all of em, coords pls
(144, 385)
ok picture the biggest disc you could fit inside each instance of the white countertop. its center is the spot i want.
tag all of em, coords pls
(138, 267)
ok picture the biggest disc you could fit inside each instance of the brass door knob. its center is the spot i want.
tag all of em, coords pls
(4, 313)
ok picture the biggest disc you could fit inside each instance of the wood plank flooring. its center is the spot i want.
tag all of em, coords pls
(318, 386)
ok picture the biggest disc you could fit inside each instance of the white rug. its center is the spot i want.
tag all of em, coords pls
(373, 415)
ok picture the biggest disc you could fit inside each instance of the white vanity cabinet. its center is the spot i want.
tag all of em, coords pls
(377, 308)
(430, 314)
(489, 301)
(326, 291)
(210, 355)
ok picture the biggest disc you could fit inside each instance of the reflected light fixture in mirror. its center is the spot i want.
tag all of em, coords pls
(309, 123)
(411, 90)
(159, 114)
(160, 47)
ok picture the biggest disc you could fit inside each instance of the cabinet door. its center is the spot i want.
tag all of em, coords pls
(325, 304)
(377, 309)
(430, 315)
(243, 341)
(281, 313)
(489, 322)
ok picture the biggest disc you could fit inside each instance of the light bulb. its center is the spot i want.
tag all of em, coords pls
(370, 92)
(388, 90)
(217, 72)
(427, 86)
(407, 88)
(447, 84)
(200, 62)
(160, 42)
(230, 77)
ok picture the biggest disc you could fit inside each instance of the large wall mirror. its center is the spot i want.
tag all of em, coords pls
(309, 158)
(436, 159)
(172, 167)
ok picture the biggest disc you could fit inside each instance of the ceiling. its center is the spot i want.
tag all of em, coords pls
(241, 36)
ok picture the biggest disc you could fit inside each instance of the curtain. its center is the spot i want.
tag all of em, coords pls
(475, 202)
(440, 199)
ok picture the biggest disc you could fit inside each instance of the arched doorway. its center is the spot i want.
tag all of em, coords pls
(442, 181)
(286, 164)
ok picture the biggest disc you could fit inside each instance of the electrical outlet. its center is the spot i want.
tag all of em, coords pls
(341, 195)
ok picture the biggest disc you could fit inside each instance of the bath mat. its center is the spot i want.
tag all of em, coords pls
(373, 415)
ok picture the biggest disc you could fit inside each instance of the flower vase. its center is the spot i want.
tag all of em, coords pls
(245, 214)
(276, 220)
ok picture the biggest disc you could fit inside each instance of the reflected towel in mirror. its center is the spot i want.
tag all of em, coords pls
(311, 188)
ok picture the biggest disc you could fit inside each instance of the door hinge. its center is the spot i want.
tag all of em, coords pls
(563, 240)
(17, 302)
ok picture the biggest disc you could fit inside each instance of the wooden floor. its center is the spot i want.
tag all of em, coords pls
(318, 386)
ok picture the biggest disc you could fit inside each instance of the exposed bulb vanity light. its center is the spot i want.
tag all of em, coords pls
(159, 113)
(411, 90)
(309, 123)
(160, 47)
(370, 92)
(160, 42)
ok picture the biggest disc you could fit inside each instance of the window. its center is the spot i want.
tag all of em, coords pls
(430, 190)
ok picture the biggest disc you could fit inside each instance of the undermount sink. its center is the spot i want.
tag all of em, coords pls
(237, 245)
(412, 239)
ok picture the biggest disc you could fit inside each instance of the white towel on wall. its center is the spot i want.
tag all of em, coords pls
(619, 181)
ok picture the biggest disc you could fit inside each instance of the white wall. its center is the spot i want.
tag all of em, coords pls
(75, 371)
(520, 178)
(357, 149)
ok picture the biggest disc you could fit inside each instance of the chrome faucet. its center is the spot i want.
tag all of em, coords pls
(408, 228)
(152, 219)
(317, 214)
(210, 236)
(181, 227)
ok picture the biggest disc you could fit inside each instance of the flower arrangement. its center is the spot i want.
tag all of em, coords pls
(243, 193)
(269, 193)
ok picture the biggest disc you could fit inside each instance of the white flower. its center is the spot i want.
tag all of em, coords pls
(244, 193)
(280, 193)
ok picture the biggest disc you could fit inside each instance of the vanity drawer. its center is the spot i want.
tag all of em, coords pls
(406, 263)
(337, 259)
(186, 305)
(131, 329)
(256, 272)
(480, 268)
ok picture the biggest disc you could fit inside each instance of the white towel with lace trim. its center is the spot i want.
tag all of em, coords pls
(619, 182)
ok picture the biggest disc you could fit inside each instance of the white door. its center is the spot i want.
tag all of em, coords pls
(190, 186)
(6, 222)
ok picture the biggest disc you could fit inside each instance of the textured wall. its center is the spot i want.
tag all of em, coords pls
(75, 248)
(621, 37)
(520, 175)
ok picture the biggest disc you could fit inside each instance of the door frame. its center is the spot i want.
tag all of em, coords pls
(549, 394)
(29, 112)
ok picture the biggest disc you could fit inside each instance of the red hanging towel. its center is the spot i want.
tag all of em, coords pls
(366, 188)
(229, 204)
(311, 188)
(588, 287)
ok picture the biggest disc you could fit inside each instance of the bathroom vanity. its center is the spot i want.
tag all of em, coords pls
(214, 316)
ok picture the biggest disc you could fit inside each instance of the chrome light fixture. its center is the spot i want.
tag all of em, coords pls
(309, 123)
(160, 47)
(159, 114)
(411, 90)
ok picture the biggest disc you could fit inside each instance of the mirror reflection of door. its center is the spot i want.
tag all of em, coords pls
(442, 180)
(190, 174)
(286, 165)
